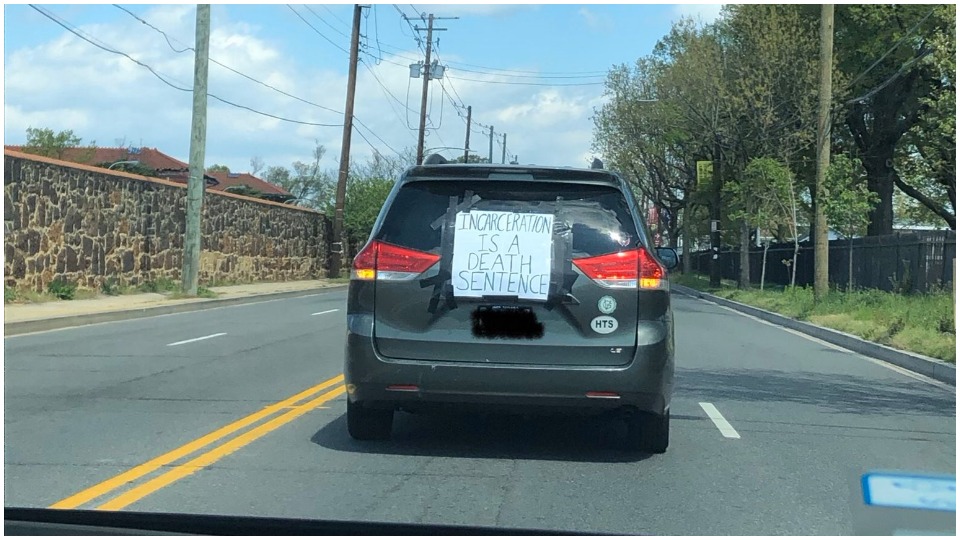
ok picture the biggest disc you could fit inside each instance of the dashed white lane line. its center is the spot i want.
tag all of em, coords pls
(324, 312)
(718, 420)
(196, 339)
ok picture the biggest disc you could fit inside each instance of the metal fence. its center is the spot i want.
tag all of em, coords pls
(906, 262)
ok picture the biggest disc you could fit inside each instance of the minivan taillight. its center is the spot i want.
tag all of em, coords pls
(631, 269)
(383, 261)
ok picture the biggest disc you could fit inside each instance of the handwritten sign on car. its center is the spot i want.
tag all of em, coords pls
(502, 254)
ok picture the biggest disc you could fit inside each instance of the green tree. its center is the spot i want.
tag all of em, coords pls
(471, 158)
(215, 168)
(244, 190)
(848, 201)
(763, 199)
(888, 54)
(46, 142)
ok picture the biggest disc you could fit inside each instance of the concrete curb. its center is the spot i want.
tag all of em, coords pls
(918, 363)
(56, 323)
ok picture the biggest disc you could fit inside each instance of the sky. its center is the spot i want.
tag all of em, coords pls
(559, 52)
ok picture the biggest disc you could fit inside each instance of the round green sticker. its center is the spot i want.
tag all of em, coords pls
(607, 305)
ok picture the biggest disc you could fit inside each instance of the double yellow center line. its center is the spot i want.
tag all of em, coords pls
(294, 409)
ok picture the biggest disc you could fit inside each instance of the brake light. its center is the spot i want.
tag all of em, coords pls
(624, 270)
(652, 274)
(383, 261)
(615, 270)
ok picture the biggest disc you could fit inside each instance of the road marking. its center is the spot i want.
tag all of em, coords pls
(324, 312)
(881, 363)
(148, 467)
(196, 339)
(718, 420)
(212, 456)
(337, 289)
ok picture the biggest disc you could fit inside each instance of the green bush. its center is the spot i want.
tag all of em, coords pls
(62, 289)
(159, 285)
(9, 294)
(110, 287)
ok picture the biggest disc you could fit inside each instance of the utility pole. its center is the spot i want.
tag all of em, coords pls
(427, 75)
(716, 272)
(821, 240)
(198, 144)
(503, 157)
(337, 250)
(490, 155)
(466, 144)
(423, 97)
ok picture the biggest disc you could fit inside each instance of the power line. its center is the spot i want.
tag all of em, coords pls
(244, 75)
(375, 135)
(164, 34)
(389, 94)
(165, 81)
(335, 16)
(896, 45)
(376, 30)
(321, 19)
(315, 29)
(526, 83)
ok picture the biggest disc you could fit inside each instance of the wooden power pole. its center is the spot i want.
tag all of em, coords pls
(426, 85)
(338, 249)
(466, 143)
(490, 155)
(503, 156)
(821, 240)
(190, 278)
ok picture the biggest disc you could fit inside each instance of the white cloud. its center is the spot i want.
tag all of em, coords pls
(595, 21)
(706, 13)
(67, 83)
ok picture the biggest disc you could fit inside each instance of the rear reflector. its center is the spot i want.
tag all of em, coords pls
(631, 269)
(603, 395)
(387, 262)
(404, 387)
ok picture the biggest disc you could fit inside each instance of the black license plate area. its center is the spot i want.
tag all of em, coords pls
(506, 322)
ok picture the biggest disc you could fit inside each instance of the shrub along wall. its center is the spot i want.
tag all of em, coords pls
(86, 225)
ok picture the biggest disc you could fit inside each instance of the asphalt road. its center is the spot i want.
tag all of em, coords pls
(768, 428)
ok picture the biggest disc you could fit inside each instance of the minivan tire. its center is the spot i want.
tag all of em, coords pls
(366, 424)
(648, 432)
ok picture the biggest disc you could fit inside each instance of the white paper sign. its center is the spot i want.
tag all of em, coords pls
(502, 254)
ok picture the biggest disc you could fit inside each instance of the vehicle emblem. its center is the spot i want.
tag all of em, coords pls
(607, 305)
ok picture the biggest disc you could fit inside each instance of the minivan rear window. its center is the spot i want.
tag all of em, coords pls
(598, 216)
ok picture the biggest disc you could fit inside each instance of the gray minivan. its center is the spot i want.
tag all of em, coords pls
(518, 288)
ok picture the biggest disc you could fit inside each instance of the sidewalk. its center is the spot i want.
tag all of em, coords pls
(19, 313)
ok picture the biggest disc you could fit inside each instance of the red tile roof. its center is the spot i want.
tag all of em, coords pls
(227, 180)
(164, 165)
(149, 157)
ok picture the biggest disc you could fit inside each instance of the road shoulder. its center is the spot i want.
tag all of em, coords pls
(67, 314)
(917, 363)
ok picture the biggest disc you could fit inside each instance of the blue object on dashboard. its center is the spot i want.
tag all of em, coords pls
(922, 492)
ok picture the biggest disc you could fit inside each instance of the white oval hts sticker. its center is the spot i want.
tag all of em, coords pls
(603, 324)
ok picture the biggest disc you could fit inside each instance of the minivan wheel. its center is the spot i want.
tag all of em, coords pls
(648, 432)
(366, 424)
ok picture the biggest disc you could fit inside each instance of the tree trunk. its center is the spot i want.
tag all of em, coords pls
(793, 266)
(744, 282)
(687, 244)
(850, 266)
(880, 180)
(763, 266)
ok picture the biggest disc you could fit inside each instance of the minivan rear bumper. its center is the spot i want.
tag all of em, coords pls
(645, 383)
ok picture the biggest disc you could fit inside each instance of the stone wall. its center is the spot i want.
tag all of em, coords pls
(85, 225)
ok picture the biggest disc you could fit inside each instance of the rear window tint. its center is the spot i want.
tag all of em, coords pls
(598, 216)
